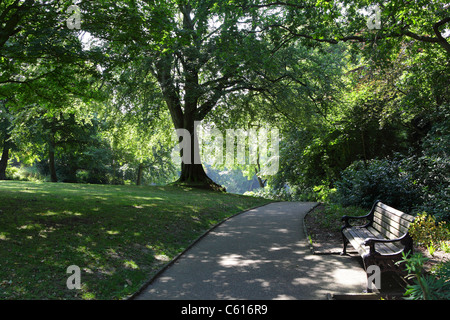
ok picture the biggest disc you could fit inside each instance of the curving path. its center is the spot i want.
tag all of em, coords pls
(260, 254)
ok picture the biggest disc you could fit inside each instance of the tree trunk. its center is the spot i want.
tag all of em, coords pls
(257, 171)
(260, 181)
(192, 172)
(51, 159)
(139, 174)
(194, 175)
(4, 159)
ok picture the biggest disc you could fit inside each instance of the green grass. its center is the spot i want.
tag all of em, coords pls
(119, 236)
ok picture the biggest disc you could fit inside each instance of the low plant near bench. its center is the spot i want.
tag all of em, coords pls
(431, 234)
(433, 286)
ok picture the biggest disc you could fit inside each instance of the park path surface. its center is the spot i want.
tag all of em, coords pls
(260, 254)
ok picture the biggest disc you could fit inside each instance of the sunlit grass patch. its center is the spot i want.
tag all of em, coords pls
(119, 236)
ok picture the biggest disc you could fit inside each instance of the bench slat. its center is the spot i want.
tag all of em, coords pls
(389, 229)
(396, 212)
(383, 248)
(397, 220)
(390, 222)
(355, 240)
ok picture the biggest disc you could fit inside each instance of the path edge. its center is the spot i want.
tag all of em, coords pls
(305, 228)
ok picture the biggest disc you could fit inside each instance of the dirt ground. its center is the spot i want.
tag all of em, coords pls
(324, 241)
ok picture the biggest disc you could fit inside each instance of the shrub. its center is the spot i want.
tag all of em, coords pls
(426, 231)
(25, 174)
(431, 168)
(82, 176)
(271, 194)
(437, 204)
(362, 183)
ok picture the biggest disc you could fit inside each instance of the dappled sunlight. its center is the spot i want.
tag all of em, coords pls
(50, 213)
(34, 191)
(162, 257)
(255, 256)
(113, 234)
(166, 279)
(284, 297)
(347, 277)
(277, 248)
(31, 226)
(282, 230)
(235, 260)
(4, 236)
(130, 264)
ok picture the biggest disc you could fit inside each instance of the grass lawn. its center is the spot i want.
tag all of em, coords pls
(119, 236)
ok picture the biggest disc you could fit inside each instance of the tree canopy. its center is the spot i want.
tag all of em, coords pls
(97, 100)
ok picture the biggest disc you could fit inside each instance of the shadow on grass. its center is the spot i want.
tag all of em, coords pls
(119, 236)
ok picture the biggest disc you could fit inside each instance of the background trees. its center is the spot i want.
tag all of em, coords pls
(348, 98)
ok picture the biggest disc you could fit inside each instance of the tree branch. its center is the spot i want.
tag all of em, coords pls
(404, 32)
(276, 3)
(166, 82)
(443, 42)
(11, 25)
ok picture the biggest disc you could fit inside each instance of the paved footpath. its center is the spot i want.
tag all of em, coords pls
(261, 254)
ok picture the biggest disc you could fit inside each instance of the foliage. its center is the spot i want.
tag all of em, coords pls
(25, 174)
(426, 231)
(268, 193)
(338, 91)
(233, 180)
(426, 286)
(431, 168)
(332, 218)
(412, 182)
(364, 183)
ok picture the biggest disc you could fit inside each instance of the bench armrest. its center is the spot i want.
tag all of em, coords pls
(346, 219)
(368, 216)
(405, 239)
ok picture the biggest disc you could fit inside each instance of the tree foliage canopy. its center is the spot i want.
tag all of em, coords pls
(343, 82)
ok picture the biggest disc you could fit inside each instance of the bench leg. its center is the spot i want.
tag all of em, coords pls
(344, 250)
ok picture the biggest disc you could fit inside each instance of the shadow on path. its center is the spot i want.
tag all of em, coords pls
(261, 254)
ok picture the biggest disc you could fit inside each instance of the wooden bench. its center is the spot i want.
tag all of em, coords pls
(383, 239)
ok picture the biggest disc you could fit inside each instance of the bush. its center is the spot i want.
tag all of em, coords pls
(426, 231)
(436, 204)
(321, 193)
(364, 183)
(271, 194)
(431, 170)
(25, 174)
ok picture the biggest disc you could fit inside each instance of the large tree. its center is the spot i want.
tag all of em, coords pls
(197, 51)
